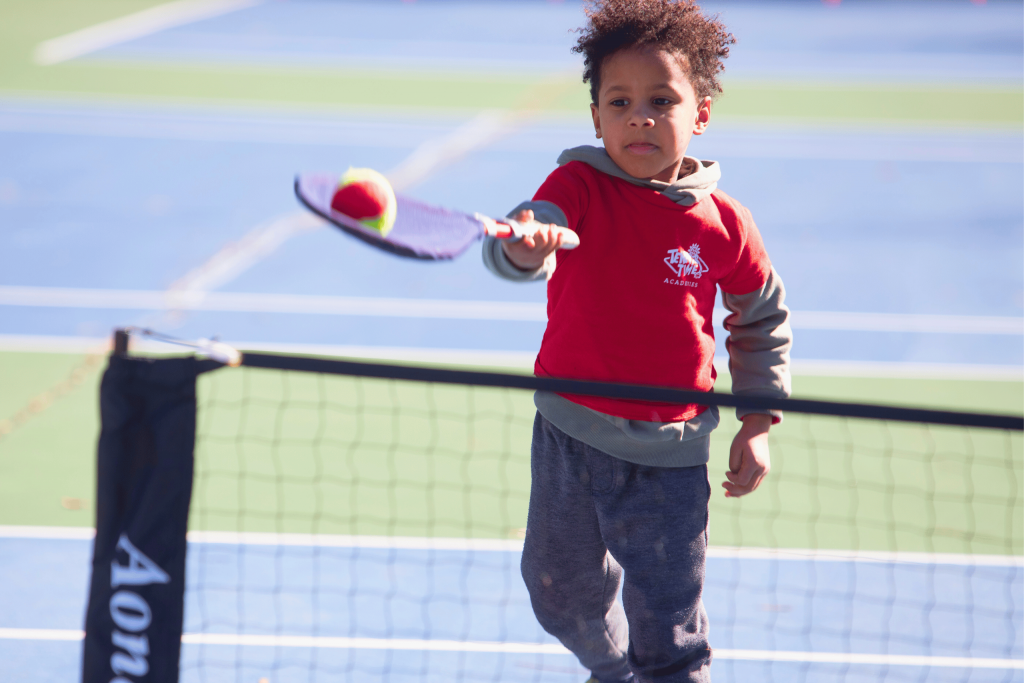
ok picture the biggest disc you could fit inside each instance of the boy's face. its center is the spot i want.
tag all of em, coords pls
(647, 111)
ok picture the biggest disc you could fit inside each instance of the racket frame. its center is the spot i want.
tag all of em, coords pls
(505, 230)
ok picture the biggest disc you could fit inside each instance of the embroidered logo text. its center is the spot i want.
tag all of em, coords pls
(686, 262)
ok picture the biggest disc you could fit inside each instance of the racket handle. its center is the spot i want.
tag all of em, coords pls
(503, 231)
(513, 230)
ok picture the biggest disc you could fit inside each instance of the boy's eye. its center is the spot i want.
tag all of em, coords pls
(661, 101)
(620, 102)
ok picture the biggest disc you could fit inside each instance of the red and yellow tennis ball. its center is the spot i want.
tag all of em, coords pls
(365, 195)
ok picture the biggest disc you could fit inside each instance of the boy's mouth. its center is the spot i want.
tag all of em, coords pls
(641, 147)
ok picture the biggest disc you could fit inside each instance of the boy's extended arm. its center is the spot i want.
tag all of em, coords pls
(497, 260)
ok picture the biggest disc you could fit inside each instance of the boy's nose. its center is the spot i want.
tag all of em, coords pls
(641, 118)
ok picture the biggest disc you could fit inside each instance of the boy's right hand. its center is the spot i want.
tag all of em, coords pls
(530, 252)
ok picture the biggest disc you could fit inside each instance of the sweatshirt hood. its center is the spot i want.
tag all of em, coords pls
(699, 178)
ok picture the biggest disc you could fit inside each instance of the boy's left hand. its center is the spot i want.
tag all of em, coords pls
(748, 457)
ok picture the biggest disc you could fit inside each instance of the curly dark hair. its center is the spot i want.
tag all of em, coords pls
(676, 26)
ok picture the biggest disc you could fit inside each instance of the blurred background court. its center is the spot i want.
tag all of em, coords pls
(146, 163)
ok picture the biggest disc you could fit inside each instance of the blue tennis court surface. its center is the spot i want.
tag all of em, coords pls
(256, 611)
(857, 217)
(150, 194)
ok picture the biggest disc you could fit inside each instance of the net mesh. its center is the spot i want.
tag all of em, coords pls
(356, 529)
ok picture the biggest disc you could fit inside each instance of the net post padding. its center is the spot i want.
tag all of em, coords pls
(629, 391)
(133, 621)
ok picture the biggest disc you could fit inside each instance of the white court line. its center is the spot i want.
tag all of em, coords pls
(40, 634)
(343, 643)
(249, 538)
(902, 370)
(865, 556)
(132, 26)
(255, 538)
(231, 302)
(907, 322)
(879, 660)
(190, 294)
(46, 533)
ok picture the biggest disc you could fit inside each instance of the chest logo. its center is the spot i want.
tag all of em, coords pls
(686, 262)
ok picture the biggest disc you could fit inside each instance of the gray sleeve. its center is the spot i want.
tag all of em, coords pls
(759, 342)
(496, 260)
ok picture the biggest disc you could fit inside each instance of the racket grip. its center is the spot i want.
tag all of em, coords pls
(504, 231)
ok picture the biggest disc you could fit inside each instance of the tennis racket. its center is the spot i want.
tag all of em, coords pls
(421, 230)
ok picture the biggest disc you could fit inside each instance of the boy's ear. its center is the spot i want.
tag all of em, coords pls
(597, 120)
(700, 123)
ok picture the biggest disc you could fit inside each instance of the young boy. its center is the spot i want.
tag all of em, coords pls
(620, 488)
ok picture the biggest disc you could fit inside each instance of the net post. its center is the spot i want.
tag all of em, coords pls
(121, 338)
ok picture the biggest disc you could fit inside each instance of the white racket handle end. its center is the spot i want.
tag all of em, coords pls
(570, 240)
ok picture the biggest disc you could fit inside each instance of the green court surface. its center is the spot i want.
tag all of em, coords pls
(27, 24)
(301, 453)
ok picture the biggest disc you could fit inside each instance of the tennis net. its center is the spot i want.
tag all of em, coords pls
(363, 522)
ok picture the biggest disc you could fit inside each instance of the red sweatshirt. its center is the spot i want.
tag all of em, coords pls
(633, 303)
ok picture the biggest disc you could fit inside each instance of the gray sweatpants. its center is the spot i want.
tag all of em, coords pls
(595, 519)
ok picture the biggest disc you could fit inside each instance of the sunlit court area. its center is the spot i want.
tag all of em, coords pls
(352, 523)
